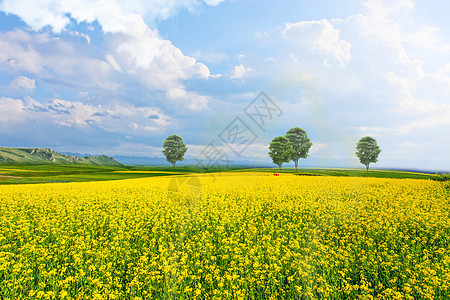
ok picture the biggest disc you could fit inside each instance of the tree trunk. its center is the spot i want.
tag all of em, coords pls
(279, 167)
(367, 167)
(173, 164)
(296, 164)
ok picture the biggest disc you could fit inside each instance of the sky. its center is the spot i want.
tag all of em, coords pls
(116, 77)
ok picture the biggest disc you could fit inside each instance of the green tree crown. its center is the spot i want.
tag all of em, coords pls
(174, 148)
(300, 143)
(367, 150)
(280, 150)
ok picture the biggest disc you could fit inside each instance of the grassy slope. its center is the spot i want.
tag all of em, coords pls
(48, 156)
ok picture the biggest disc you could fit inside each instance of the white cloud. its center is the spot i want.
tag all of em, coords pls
(121, 148)
(156, 62)
(213, 2)
(115, 117)
(81, 34)
(23, 82)
(55, 13)
(134, 48)
(390, 24)
(48, 57)
(317, 148)
(194, 101)
(240, 72)
(11, 109)
(441, 118)
(136, 126)
(113, 63)
(15, 55)
(321, 37)
(198, 102)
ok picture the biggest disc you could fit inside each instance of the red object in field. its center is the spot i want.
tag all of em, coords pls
(276, 174)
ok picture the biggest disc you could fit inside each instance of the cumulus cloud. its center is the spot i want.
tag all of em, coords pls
(139, 51)
(116, 117)
(240, 72)
(195, 101)
(134, 50)
(11, 109)
(156, 62)
(321, 37)
(133, 47)
(49, 57)
(57, 13)
(23, 82)
(17, 51)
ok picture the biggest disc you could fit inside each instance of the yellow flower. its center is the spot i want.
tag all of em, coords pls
(63, 294)
(245, 235)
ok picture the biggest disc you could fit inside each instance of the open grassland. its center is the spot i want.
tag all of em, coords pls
(32, 174)
(239, 235)
(349, 173)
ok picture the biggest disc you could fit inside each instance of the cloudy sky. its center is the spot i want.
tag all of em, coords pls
(116, 77)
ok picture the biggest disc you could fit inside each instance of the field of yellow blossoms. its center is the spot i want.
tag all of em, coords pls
(226, 236)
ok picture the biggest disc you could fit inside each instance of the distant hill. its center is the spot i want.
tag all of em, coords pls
(48, 156)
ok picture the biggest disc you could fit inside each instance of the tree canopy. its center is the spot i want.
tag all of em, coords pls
(300, 143)
(280, 150)
(174, 149)
(367, 150)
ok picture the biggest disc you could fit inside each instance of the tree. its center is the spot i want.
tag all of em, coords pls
(300, 144)
(280, 150)
(367, 151)
(174, 149)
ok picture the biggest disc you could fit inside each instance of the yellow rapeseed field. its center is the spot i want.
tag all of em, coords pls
(226, 236)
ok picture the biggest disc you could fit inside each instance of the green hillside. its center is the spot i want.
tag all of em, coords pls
(48, 156)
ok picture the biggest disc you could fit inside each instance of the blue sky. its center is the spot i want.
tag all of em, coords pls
(116, 77)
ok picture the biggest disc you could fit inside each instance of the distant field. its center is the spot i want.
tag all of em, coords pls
(28, 174)
(354, 173)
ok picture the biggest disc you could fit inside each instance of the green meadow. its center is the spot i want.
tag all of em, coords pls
(29, 174)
